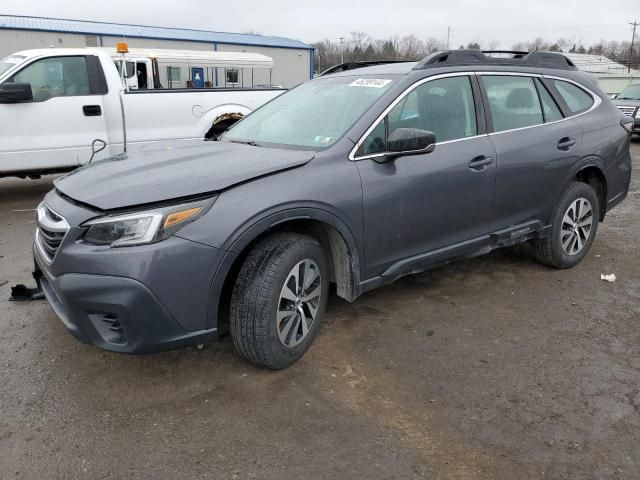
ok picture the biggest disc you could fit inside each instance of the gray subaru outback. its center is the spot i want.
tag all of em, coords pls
(353, 179)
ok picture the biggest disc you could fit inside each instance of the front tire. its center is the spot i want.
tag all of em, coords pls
(574, 225)
(279, 299)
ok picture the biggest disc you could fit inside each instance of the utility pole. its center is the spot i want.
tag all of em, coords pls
(634, 24)
(341, 49)
(448, 38)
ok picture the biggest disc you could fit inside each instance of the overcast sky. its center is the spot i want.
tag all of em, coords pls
(505, 21)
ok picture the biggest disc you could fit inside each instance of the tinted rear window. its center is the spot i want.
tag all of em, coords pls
(513, 101)
(576, 98)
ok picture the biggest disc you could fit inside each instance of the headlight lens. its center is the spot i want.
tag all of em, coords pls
(143, 227)
(637, 115)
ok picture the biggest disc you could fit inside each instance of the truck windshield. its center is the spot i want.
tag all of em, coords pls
(314, 115)
(10, 62)
(632, 92)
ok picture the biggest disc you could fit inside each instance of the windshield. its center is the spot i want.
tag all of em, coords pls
(632, 92)
(315, 114)
(10, 62)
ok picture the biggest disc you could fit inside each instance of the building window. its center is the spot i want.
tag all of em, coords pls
(232, 76)
(173, 76)
(92, 40)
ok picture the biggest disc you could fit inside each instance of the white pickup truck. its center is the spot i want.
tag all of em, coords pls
(54, 103)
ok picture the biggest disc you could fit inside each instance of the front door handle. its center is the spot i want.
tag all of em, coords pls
(92, 110)
(479, 164)
(566, 143)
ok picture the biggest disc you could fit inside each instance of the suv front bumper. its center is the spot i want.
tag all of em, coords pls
(114, 313)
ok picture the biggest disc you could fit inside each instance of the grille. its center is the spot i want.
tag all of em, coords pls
(51, 231)
(50, 241)
(628, 111)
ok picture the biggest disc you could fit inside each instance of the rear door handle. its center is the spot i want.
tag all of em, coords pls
(566, 143)
(479, 164)
(92, 110)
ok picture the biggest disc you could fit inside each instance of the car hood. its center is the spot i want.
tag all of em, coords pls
(165, 171)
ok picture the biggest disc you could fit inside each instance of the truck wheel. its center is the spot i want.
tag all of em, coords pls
(279, 299)
(574, 224)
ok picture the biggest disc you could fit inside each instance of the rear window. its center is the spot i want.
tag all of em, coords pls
(513, 102)
(576, 98)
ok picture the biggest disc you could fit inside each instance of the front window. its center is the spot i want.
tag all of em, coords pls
(314, 115)
(632, 92)
(55, 77)
(445, 107)
(10, 62)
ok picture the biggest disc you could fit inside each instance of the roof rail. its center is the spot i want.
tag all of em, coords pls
(465, 57)
(341, 67)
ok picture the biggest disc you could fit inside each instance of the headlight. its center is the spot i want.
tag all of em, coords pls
(637, 115)
(143, 227)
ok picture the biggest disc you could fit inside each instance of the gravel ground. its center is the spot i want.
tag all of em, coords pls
(492, 368)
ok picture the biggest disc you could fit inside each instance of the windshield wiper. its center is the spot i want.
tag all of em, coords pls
(627, 98)
(246, 142)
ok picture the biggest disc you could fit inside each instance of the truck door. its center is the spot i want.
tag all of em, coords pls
(54, 130)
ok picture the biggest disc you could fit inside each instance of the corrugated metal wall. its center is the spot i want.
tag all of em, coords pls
(291, 66)
(13, 40)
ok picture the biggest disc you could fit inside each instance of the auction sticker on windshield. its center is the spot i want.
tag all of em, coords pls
(370, 82)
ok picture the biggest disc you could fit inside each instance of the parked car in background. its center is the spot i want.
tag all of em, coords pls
(353, 179)
(55, 102)
(628, 102)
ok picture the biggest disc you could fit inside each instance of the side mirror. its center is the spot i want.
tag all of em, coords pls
(411, 141)
(15, 93)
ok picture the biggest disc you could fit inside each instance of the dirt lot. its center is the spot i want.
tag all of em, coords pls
(490, 368)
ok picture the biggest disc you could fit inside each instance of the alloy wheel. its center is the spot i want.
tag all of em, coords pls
(299, 303)
(577, 225)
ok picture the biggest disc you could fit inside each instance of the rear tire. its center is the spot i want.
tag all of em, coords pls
(279, 299)
(574, 223)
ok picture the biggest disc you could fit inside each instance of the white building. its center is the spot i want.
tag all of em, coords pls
(612, 77)
(292, 59)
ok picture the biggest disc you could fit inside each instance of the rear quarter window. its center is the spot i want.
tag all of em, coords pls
(575, 97)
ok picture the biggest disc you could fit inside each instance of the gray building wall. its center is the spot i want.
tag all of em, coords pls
(290, 66)
(13, 40)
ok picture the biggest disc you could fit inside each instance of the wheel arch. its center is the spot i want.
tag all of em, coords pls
(590, 171)
(221, 117)
(332, 233)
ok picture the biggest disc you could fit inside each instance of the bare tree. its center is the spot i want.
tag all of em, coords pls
(411, 48)
(360, 46)
(433, 45)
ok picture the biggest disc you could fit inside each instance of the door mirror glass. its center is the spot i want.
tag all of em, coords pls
(407, 141)
(16, 93)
